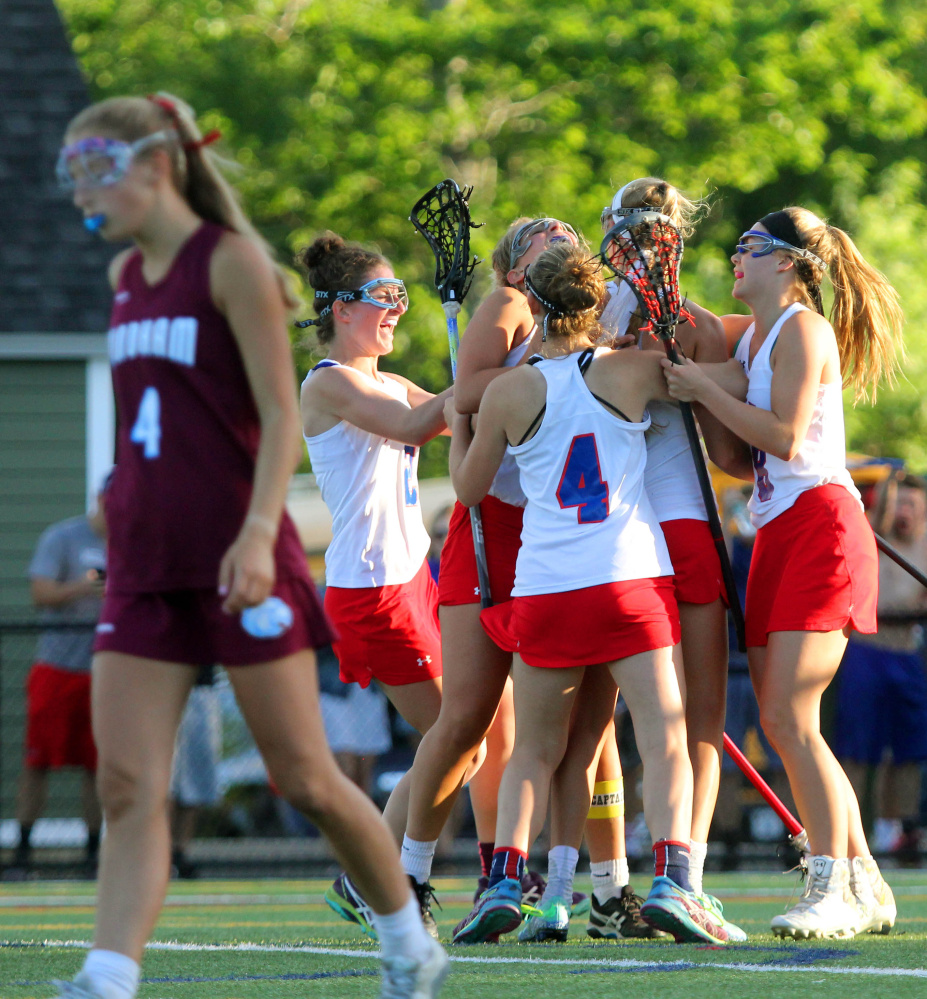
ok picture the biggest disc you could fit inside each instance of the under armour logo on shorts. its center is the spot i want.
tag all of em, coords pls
(424, 660)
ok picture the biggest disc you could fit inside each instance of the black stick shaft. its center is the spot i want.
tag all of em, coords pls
(899, 559)
(711, 508)
(479, 550)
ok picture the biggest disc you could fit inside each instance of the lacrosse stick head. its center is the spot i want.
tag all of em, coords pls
(644, 249)
(442, 216)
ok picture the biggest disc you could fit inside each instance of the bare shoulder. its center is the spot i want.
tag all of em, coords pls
(702, 339)
(114, 271)
(502, 307)
(735, 325)
(238, 256)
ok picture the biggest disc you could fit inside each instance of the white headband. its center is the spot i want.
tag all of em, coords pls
(616, 201)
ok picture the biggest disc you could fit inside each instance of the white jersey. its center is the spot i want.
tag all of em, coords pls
(370, 485)
(588, 520)
(670, 478)
(506, 486)
(821, 459)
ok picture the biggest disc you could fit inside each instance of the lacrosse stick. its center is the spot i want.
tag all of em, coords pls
(797, 835)
(899, 559)
(644, 250)
(442, 216)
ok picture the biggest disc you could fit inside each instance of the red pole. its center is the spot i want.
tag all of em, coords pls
(796, 831)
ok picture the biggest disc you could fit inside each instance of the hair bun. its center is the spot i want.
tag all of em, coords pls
(321, 247)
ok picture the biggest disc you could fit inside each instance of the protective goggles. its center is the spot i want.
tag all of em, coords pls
(100, 162)
(384, 293)
(762, 243)
(610, 217)
(523, 235)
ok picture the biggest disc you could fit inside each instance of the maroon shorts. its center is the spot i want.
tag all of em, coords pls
(597, 624)
(189, 626)
(696, 564)
(457, 581)
(58, 732)
(387, 633)
(815, 567)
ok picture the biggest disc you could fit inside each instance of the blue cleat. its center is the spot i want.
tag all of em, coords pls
(682, 914)
(497, 911)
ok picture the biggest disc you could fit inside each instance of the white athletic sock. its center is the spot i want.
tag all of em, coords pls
(697, 854)
(561, 867)
(609, 877)
(110, 974)
(402, 933)
(417, 856)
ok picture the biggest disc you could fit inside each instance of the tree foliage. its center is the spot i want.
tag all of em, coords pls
(340, 114)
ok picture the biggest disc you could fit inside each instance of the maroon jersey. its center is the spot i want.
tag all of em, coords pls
(188, 431)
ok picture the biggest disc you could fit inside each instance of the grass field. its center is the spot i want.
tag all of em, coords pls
(278, 940)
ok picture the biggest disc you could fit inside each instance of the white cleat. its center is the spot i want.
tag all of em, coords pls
(874, 898)
(406, 978)
(77, 989)
(827, 909)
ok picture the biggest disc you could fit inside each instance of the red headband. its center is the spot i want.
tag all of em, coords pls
(171, 109)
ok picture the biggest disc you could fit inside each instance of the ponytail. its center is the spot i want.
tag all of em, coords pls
(866, 313)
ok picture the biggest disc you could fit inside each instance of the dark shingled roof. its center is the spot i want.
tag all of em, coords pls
(52, 271)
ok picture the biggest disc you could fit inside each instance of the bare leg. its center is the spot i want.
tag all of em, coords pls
(90, 803)
(790, 676)
(32, 795)
(650, 685)
(136, 704)
(419, 704)
(280, 704)
(475, 672)
(605, 837)
(591, 725)
(544, 701)
(704, 656)
(484, 785)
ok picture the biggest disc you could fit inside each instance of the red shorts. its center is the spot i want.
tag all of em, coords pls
(387, 633)
(815, 567)
(457, 582)
(189, 626)
(597, 624)
(58, 732)
(696, 565)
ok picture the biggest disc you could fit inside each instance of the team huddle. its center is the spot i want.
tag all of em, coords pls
(567, 438)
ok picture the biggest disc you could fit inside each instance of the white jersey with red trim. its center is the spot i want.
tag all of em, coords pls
(506, 486)
(670, 478)
(588, 520)
(370, 485)
(821, 459)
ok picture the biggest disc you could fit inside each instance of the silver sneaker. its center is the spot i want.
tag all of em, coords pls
(874, 898)
(406, 978)
(827, 909)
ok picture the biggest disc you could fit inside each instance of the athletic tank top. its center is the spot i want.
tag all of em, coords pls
(188, 431)
(370, 485)
(506, 485)
(821, 459)
(588, 520)
(670, 478)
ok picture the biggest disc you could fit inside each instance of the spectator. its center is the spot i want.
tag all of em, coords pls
(67, 578)
(438, 534)
(195, 778)
(882, 700)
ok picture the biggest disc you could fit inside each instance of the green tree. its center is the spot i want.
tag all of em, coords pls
(341, 114)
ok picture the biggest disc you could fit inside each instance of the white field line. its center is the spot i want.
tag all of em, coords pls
(586, 962)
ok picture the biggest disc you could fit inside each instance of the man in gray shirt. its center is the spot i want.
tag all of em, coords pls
(66, 574)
